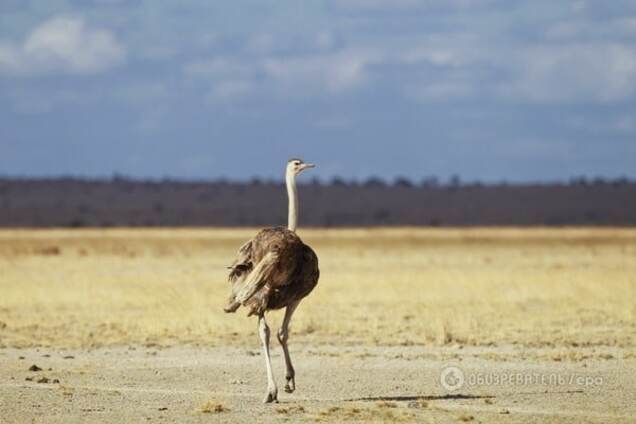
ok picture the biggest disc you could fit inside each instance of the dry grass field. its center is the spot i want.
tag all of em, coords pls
(407, 286)
(558, 297)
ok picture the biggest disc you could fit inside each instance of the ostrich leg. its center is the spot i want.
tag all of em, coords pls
(263, 331)
(283, 334)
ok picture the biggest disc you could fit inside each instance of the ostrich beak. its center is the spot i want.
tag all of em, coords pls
(307, 165)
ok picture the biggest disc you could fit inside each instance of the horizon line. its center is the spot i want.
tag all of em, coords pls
(427, 180)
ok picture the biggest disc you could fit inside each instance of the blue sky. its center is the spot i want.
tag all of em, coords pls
(487, 89)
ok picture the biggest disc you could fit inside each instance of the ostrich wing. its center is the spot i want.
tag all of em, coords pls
(262, 272)
(242, 264)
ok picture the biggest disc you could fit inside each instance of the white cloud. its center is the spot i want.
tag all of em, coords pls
(625, 123)
(325, 40)
(143, 94)
(443, 67)
(564, 67)
(335, 73)
(230, 89)
(622, 123)
(219, 67)
(589, 29)
(261, 43)
(62, 45)
(439, 91)
(271, 43)
(602, 72)
(409, 5)
(290, 75)
(32, 102)
(446, 49)
(149, 101)
(332, 122)
(626, 26)
(230, 78)
(434, 55)
(563, 71)
(566, 30)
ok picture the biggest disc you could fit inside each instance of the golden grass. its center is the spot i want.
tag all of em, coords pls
(532, 287)
(365, 413)
(212, 407)
(290, 409)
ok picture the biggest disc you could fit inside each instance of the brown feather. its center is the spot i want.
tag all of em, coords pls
(290, 277)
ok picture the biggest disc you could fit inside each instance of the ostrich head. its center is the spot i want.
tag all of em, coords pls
(296, 166)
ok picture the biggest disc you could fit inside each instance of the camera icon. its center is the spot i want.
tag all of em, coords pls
(452, 378)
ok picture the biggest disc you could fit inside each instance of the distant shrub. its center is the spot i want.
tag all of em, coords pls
(402, 182)
(49, 251)
(374, 182)
(77, 223)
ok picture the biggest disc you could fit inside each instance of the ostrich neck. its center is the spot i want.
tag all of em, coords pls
(292, 216)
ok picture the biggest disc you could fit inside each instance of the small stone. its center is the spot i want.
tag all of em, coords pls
(43, 380)
(34, 368)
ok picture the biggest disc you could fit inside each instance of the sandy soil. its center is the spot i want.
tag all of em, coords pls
(334, 384)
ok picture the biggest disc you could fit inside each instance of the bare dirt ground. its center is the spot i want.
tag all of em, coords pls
(334, 383)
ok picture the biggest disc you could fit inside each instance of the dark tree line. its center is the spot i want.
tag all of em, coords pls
(121, 201)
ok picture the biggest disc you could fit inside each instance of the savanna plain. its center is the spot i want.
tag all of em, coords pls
(406, 325)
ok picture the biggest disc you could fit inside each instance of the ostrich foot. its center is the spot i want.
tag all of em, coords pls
(271, 396)
(291, 385)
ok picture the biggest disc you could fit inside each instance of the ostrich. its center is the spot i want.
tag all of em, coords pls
(275, 270)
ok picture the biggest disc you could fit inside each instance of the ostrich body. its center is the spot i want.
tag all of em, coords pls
(275, 270)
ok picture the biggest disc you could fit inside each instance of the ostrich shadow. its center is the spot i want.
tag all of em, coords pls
(418, 397)
(456, 396)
